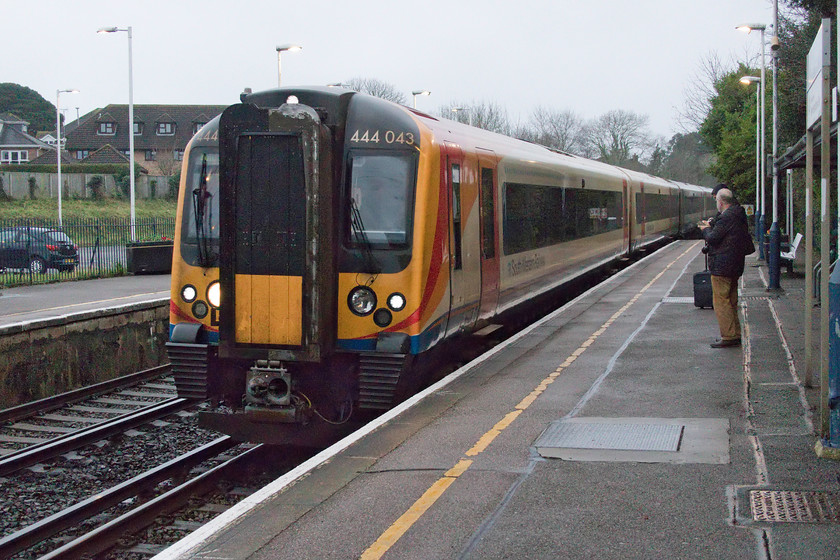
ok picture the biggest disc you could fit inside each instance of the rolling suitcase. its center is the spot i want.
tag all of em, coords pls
(703, 287)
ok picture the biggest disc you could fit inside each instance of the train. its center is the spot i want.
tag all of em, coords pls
(331, 246)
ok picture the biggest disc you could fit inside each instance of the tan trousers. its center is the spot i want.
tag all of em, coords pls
(725, 302)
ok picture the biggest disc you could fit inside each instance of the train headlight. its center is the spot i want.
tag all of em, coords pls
(362, 301)
(396, 301)
(214, 294)
(188, 293)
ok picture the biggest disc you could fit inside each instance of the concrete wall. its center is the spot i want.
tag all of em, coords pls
(16, 185)
(43, 358)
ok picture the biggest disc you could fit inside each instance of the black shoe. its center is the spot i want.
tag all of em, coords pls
(726, 343)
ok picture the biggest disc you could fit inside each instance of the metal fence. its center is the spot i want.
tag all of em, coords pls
(100, 246)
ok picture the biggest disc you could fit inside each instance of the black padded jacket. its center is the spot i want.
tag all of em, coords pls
(726, 240)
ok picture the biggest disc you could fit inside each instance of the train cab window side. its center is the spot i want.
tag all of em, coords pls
(487, 213)
(455, 171)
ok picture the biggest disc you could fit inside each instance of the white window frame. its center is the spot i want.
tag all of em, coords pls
(165, 129)
(104, 128)
(13, 157)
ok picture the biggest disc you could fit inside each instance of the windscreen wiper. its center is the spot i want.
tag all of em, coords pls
(360, 233)
(201, 201)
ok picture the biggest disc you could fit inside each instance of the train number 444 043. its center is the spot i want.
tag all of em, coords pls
(388, 136)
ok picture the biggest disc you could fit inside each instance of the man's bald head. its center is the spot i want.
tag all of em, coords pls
(724, 199)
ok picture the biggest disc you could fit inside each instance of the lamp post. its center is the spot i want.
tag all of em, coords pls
(758, 155)
(58, 93)
(130, 120)
(469, 113)
(280, 49)
(419, 92)
(774, 260)
(759, 210)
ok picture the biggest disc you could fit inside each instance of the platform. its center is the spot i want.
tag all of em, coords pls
(24, 304)
(609, 429)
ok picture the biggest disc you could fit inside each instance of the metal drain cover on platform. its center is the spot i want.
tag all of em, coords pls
(645, 440)
(785, 506)
(678, 299)
(627, 437)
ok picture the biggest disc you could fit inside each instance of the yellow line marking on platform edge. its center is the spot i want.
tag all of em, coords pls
(393, 533)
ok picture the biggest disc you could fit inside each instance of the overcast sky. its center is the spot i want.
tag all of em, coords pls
(589, 56)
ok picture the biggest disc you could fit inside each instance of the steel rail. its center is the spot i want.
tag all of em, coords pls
(85, 436)
(105, 536)
(102, 501)
(42, 405)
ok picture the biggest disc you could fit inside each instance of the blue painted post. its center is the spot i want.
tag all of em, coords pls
(761, 255)
(834, 358)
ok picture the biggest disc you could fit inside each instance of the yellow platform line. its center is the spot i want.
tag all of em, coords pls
(393, 533)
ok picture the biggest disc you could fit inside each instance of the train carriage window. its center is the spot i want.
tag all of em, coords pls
(381, 195)
(455, 171)
(488, 214)
(538, 216)
(656, 207)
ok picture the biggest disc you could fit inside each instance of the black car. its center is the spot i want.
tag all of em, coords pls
(37, 249)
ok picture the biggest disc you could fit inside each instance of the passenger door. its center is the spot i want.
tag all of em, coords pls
(487, 177)
(464, 261)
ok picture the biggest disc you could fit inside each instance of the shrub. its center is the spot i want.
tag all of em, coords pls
(96, 186)
(33, 188)
(174, 182)
(123, 183)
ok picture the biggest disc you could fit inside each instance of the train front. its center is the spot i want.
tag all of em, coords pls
(316, 310)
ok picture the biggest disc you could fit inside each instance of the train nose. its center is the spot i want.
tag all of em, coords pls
(268, 384)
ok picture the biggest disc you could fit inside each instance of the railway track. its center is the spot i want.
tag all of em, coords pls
(148, 512)
(108, 461)
(45, 429)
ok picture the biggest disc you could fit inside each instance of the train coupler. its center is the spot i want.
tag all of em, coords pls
(268, 383)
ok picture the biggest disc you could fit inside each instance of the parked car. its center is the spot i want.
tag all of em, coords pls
(37, 249)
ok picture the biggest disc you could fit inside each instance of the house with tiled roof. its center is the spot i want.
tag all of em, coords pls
(16, 145)
(161, 133)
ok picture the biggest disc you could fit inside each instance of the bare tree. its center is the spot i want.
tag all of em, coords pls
(377, 88)
(488, 116)
(700, 91)
(618, 137)
(167, 163)
(561, 130)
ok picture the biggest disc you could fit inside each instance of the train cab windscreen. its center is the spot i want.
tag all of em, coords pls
(381, 194)
(200, 226)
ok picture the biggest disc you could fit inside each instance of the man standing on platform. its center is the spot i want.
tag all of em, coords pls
(727, 239)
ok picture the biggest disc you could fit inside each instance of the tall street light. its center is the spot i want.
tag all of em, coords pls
(280, 49)
(758, 128)
(419, 92)
(759, 210)
(456, 110)
(774, 260)
(130, 120)
(58, 93)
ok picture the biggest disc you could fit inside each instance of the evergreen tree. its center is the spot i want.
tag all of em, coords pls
(28, 105)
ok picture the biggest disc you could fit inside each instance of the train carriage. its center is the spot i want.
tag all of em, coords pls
(331, 246)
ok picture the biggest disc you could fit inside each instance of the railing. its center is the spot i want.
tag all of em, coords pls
(100, 246)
